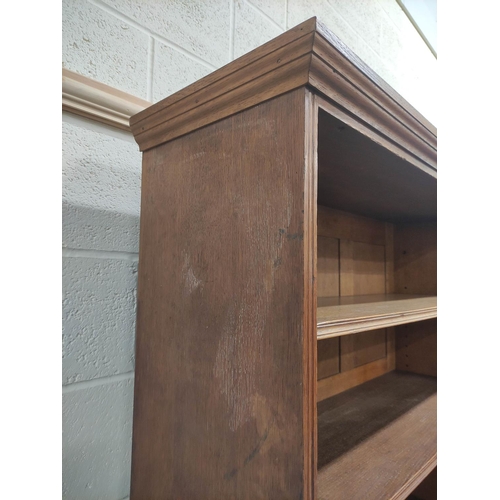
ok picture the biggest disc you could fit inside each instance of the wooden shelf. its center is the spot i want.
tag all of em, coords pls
(377, 440)
(346, 315)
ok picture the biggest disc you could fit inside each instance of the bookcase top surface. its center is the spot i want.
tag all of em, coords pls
(306, 55)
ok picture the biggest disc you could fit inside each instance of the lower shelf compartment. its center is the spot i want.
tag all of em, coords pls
(378, 440)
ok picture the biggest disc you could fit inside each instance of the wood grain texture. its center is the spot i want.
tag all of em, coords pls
(347, 226)
(391, 447)
(310, 376)
(223, 404)
(239, 68)
(347, 315)
(391, 347)
(389, 290)
(362, 348)
(343, 381)
(308, 54)
(269, 85)
(389, 258)
(328, 267)
(328, 358)
(363, 269)
(415, 258)
(346, 267)
(368, 268)
(416, 347)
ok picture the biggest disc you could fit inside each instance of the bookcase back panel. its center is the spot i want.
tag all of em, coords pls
(328, 358)
(362, 268)
(415, 259)
(362, 348)
(415, 271)
(416, 347)
(354, 258)
(352, 254)
(328, 267)
(346, 226)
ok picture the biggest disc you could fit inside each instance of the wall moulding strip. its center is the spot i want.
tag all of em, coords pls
(97, 101)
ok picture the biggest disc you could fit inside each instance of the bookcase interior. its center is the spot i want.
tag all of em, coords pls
(376, 316)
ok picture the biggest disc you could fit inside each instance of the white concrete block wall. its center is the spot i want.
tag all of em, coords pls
(101, 201)
(98, 317)
(246, 37)
(97, 424)
(101, 189)
(102, 47)
(152, 49)
(173, 70)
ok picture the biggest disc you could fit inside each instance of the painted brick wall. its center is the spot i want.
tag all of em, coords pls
(152, 48)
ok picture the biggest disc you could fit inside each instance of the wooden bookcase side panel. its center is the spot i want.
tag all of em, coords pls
(355, 257)
(219, 407)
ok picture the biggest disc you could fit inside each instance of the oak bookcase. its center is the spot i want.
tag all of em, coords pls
(286, 321)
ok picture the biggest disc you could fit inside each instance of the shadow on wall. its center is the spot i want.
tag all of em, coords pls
(98, 349)
(98, 229)
(97, 442)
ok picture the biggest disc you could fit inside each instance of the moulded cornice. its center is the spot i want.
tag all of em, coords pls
(307, 55)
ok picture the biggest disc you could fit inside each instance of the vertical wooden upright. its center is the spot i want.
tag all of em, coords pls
(225, 320)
